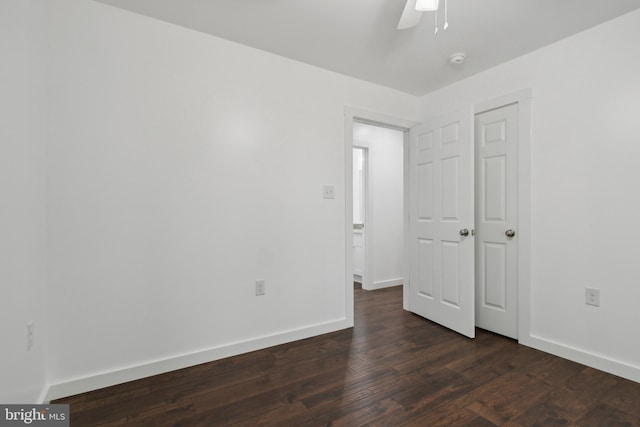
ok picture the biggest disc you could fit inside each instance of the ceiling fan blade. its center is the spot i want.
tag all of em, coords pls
(410, 16)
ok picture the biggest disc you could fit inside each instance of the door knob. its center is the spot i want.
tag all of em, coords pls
(464, 232)
(510, 233)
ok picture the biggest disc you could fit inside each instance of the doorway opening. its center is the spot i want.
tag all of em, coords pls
(360, 200)
(377, 206)
(353, 118)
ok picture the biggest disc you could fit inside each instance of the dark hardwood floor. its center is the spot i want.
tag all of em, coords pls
(392, 369)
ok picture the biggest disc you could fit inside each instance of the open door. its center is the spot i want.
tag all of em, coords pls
(441, 193)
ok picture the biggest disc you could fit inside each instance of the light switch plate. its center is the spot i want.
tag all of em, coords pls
(329, 192)
(261, 287)
(592, 297)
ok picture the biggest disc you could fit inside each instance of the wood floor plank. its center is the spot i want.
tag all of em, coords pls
(604, 415)
(506, 405)
(624, 396)
(392, 369)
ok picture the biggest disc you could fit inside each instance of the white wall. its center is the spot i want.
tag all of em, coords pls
(384, 228)
(584, 196)
(22, 200)
(184, 167)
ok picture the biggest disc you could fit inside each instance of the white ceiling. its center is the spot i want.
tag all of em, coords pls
(359, 37)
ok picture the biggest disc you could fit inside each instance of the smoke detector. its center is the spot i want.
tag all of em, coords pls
(457, 58)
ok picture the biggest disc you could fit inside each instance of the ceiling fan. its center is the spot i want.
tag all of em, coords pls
(414, 9)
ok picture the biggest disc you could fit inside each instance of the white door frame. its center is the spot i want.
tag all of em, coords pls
(523, 98)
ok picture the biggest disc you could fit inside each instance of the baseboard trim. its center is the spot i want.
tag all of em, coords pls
(106, 379)
(596, 361)
(387, 283)
(43, 395)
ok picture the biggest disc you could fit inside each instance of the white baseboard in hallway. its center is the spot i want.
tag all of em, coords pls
(387, 283)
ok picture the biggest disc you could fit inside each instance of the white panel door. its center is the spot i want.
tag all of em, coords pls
(496, 134)
(441, 209)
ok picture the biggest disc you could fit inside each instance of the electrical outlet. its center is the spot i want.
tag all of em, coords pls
(261, 287)
(592, 297)
(29, 336)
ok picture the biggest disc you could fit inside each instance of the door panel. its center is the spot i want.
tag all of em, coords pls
(450, 273)
(450, 188)
(425, 191)
(495, 257)
(441, 204)
(425, 279)
(496, 136)
(494, 189)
